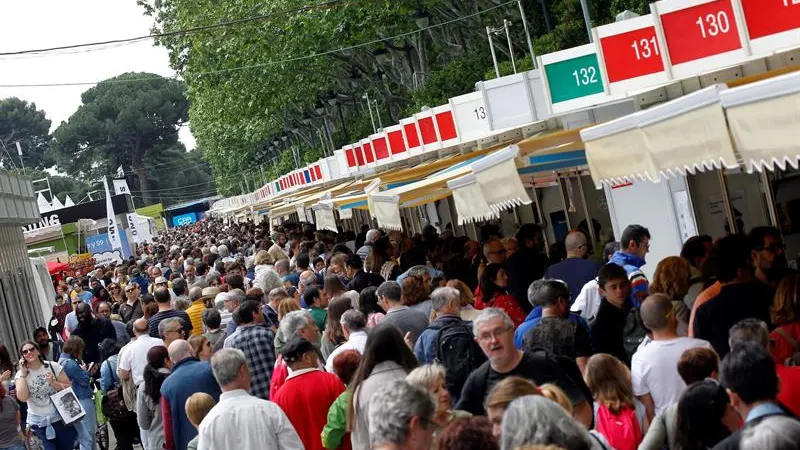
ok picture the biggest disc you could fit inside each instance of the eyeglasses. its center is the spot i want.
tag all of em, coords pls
(775, 247)
(76, 302)
(485, 337)
(25, 351)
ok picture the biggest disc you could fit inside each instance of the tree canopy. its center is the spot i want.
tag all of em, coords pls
(22, 122)
(295, 77)
(129, 121)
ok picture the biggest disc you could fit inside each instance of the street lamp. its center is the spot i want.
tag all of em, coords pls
(421, 17)
(369, 107)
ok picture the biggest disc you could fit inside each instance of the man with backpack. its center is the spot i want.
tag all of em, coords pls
(449, 341)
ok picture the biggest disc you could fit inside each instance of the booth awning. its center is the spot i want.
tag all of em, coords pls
(688, 134)
(764, 121)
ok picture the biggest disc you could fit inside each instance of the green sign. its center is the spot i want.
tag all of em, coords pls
(574, 78)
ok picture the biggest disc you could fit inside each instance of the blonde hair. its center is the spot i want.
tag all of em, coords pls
(610, 382)
(554, 393)
(197, 407)
(508, 390)
(286, 306)
(196, 342)
(263, 257)
(672, 278)
(426, 376)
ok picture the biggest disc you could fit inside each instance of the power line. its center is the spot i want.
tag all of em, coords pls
(178, 32)
(268, 63)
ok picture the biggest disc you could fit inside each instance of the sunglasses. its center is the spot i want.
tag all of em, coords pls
(77, 302)
(25, 351)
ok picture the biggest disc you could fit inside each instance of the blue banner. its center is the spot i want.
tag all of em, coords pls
(103, 253)
(184, 219)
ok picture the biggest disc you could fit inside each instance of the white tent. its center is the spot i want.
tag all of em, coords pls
(57, 203)
(44, 205)
(68, 202)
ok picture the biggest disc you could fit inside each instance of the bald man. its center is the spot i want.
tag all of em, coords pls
(189, 375)
(133, 358)
(576, 270)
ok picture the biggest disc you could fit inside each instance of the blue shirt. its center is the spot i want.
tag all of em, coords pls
(575, 272)
(293, 278)
(188, 377)
(764, 409)
(535, 317)
(85, 296)
(79, 377)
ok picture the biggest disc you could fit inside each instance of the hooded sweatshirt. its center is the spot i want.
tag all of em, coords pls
(632, 265)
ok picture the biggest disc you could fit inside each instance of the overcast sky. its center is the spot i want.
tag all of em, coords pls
(35, 24)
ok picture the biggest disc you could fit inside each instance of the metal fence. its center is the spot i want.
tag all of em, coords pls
(20, 310)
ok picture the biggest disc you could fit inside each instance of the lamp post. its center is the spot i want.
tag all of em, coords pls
(587, 19)
(369, 107)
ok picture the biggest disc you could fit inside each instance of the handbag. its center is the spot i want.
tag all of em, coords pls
(67, 405)
(113, 403)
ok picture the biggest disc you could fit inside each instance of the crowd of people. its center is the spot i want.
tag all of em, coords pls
(232, 336)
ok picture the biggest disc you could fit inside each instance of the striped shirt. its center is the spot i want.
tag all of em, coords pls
(168, 314)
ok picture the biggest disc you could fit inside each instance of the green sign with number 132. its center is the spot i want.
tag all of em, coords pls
(574, 78)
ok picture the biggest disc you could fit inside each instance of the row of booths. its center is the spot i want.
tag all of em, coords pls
(681, 152)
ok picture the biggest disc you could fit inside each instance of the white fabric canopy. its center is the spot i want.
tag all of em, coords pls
(346, 213)
(323, 213)
(386, 209)
(470, 203)
(764, 121)
(499, 180)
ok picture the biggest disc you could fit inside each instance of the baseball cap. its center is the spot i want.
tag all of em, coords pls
(161, 280)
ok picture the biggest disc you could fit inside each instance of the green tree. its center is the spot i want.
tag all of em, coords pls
(125, 121)
(21, 122)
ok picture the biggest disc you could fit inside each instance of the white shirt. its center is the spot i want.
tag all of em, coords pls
(357, 341)
(241, 421)
(588, 301)
(135, 357)
(654, 370)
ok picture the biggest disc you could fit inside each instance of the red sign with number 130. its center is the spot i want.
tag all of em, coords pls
(701, 31)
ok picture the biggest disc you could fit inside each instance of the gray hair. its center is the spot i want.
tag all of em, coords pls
(164, 324)
(372, 236)
(308, 278)
(391, 411)
(488, 314)
(179, 350)
(222, 250)
(546, 292)
(182, 303)
(195, 293)
(354, 320)
(417, 271)
(276, 235)
(443, 296)
(292, 323)
(225, 365)
(213, 275)
(774, 433)
(533, 420)
(749, 330)
(390, 290)
(426, 376)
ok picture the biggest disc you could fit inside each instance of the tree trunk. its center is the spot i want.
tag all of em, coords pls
(137, 163)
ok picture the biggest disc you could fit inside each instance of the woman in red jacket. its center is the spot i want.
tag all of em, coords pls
(493, 293)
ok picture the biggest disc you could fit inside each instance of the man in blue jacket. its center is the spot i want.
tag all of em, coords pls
(634, 245)
(189, 376)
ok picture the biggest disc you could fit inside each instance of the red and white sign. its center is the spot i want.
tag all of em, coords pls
(380, 147)
(411, 133)
(699, 35)
(427, 130)
(630, 54)
(471, 116)
(396, 141)
(771, 24)
(445, 125)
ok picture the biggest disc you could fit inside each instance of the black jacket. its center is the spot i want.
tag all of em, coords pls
(362, 280)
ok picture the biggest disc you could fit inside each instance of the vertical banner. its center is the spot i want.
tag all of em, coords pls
(121, 187)
(113, 227)
(133, 228)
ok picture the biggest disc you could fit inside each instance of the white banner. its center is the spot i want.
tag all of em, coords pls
(121, 187)
(113, 226)
(134, 229)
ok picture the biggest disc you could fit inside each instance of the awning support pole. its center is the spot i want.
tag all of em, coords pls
(770, 198)
(589, 223)
(540, 216)
(726, 201)
(564, 200)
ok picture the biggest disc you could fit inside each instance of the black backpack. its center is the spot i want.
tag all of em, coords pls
(634, 332)
(456, 350)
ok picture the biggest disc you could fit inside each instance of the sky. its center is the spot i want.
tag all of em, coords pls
(35, 24)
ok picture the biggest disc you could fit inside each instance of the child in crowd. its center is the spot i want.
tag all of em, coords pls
(197, 408)
(618, 415)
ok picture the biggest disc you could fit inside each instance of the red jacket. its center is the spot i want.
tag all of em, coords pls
(505, 302)
(306, 399)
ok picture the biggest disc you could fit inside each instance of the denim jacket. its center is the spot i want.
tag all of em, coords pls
(81, 380)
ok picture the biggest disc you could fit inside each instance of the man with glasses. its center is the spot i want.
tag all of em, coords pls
(769, 255)
(740, 297)
(170, 330)
(576, 270)
(493, 331)
(132, 308)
